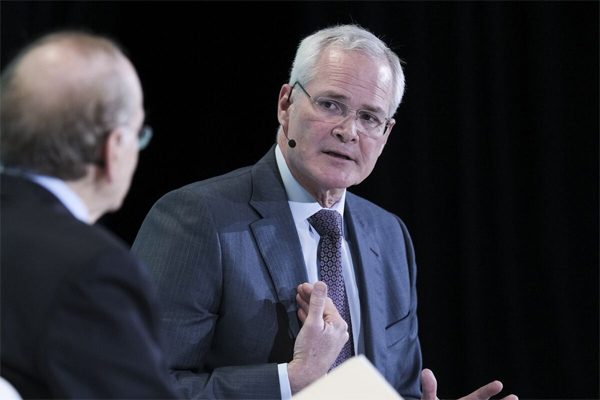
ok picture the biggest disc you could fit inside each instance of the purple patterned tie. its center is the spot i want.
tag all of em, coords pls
(329, 225)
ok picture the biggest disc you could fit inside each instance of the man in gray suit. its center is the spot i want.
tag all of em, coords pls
(233, 257)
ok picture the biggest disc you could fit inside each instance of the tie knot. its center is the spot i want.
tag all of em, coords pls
(327, 223)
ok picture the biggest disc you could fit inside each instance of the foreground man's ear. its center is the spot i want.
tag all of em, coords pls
(113, 152)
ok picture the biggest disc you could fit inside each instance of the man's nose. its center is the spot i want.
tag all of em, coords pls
(346, 129)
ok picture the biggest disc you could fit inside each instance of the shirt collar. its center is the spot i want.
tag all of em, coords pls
(302, 204)
(64, 193)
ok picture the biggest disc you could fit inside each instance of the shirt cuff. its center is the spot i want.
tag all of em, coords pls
(284, 382)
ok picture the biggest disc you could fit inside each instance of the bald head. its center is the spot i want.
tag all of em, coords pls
(61, 97)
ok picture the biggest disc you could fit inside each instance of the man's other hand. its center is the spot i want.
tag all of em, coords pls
(429, 384)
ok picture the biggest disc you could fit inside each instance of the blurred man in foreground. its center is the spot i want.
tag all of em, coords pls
(78, 313)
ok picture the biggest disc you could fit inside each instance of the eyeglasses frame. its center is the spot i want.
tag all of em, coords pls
(144, 136)
(388, 121)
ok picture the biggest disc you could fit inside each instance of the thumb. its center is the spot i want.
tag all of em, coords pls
(429, 384)
(318, 298)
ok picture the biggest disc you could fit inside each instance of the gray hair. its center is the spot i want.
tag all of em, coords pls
(59, 132)
(346, 38)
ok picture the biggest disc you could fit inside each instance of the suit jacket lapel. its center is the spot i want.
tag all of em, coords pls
(371, 286)
(276, 235)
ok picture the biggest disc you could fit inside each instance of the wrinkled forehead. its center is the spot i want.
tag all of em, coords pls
(356, 75)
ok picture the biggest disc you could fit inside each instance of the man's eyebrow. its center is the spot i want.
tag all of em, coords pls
(375, 110)
(334, 95)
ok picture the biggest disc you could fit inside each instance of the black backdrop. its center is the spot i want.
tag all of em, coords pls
(492, 165)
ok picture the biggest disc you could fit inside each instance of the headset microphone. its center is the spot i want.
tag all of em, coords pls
(291, 142)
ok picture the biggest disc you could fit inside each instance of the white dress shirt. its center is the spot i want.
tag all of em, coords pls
(58, 188)
(303, 205)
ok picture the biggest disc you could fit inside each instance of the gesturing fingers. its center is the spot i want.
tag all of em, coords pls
(319, 342)
(303, 297)
(429, 384)
(485, 392)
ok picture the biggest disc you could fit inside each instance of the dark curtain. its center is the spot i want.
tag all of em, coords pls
(493, 163)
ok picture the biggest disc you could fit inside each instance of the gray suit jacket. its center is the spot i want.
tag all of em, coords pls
(226, 260)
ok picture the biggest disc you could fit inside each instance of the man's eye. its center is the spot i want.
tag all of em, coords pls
(329, 105)
(370, 118)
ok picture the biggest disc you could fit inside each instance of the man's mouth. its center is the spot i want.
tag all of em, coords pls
(337, 155)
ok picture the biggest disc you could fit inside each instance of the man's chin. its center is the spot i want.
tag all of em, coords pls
(337, 182)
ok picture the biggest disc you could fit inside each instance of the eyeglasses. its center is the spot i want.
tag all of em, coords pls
(144, 136)
(369, 123)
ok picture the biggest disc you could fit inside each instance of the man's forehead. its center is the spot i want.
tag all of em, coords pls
(344, 74)
(59, 69)
(333, 55)
(59, 61)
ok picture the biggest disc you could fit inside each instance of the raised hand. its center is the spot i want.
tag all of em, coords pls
(323, 334)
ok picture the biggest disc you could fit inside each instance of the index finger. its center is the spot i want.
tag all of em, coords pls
(305, 290)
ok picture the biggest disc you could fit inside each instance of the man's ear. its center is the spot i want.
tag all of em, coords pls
(283, 106)
(112, 153)
(387, 133)
(389, 128)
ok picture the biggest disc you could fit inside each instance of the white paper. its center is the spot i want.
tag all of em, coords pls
(357, 378)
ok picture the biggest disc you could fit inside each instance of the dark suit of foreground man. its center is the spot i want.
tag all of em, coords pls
(228, 255)
(78, 314)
